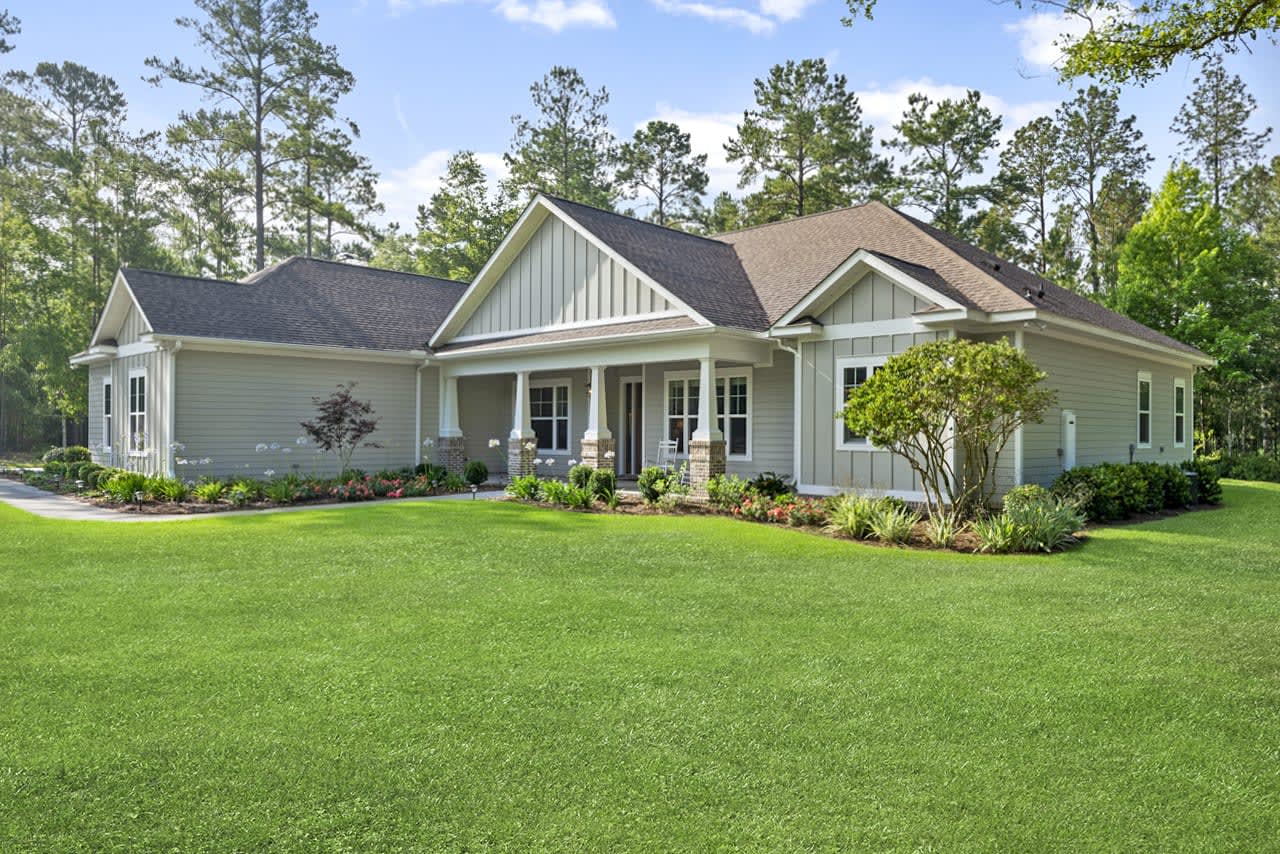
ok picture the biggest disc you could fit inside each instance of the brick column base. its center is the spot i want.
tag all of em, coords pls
(452, 454)
(598, 453)
(520, 458)
(706, 460)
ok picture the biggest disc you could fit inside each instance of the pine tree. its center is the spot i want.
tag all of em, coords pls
(1028, 183)
(659, 162)
(464, 223)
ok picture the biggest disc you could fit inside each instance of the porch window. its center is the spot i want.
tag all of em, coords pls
(106, 415)
(1179, 413)
(852, 372)
(549, 415)
(1144, 409)
(137, 411)
(733, 410)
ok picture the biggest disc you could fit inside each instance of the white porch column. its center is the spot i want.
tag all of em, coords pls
(706, 446)
(597, 440)
(708, 425)
(519, 457)
(450, 444)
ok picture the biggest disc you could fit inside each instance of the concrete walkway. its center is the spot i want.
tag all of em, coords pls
(50, 506)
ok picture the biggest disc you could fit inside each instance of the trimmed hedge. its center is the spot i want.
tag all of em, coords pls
(1112, 491)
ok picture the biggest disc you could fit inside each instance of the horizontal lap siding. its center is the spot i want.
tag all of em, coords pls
(228, 403)
(558, 278)
(1101, 387)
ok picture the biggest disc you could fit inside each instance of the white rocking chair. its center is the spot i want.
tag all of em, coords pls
(667, 455)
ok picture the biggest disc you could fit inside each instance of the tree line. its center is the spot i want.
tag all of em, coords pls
(267, 167)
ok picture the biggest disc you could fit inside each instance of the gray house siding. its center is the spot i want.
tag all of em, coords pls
(229, 403)
(97, 376)
(1101, 388)
(561, 278)
(823, 465)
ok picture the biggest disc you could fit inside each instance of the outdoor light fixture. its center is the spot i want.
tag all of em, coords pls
(79, 485)
(138, 495)
(474, 488)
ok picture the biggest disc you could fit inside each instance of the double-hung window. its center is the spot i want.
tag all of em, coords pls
(851, 372)
(1179, 413)
(733, 410)
(106, 415)
(1144, 409)
(549, 415)
(137, 411)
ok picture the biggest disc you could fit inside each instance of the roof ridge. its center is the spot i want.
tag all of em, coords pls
(790, 220)
(126, 269)
(373, 269)
(925, 229)
(678, 231)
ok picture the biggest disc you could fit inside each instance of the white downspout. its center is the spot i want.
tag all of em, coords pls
(171, 408)
(417, 416)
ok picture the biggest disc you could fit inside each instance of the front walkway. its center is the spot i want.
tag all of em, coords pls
(50, 506)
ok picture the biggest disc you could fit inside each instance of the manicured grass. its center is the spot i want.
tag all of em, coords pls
(471, 677)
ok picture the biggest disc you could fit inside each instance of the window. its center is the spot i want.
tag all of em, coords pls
(106, 415)
(851, 372)
(1144, 409)
(549, 415)
(733, 410)
(1179, 413)
(137, 411)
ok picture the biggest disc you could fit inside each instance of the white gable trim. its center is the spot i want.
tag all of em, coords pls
(827, 288)
(111, 308)
(517, 238)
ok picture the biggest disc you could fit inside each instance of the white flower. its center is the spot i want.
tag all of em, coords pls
(287, 451)
(537, 462)
(301, 440)
(275, 446)
(608, 455)
(549, 461)
(531, 446)
(428, 442)
(572, 463)
(177, 446)
(205, 461)
(270, 472)
(180, 461)
(260, 447)
(494, 443)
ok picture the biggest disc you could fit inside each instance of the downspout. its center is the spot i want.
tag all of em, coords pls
(417, 414)
(796, 412)
(171, 408)
(1019, 345)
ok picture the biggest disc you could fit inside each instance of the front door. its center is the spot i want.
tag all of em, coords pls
(631, 440)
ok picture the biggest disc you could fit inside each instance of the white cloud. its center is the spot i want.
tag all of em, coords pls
(883, 106)
(1040, 36)
(785, 10)
(402, 190)
(732, 15)
(557, 15)
(708, 132)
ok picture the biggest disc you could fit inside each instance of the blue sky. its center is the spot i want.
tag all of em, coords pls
(435, 76)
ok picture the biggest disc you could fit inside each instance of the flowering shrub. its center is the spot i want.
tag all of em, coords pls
(527, 488)
(754, 507)
(352, 490)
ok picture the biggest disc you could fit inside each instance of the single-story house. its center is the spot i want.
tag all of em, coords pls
(593, 336)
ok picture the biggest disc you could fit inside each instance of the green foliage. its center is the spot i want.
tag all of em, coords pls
(952, 394)
(525, 488)
(580, 475)
(1044, 526)
(851, 514)
(342, 424)
(209, 492)
(475, 473)
(943, 529)
(244, 492)
(1250, 467)
(603, 484)
(281, 491)
(944, 144)
(161, 488)
(726, 491)
(770, 484)
(124, 484)
(996, 534)
(1111, 491)
(652, 484)
(1025, 495)
(806, 142)
(659, 162)
(462, 225)
(70, 454)
(1207, 489)
(567, 495)
(97, 479)
(892, 524)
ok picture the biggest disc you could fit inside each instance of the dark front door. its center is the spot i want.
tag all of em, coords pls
(631, 450)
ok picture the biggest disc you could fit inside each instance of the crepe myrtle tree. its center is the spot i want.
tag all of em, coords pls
(341, 424)
(954, 395)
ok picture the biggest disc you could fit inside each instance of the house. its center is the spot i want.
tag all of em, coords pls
(592, 336)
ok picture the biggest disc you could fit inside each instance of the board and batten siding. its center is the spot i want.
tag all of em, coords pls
(1101, 388)
(97, 376)
(133, 327)
(823, 466)
(230, 403)
(561, 278)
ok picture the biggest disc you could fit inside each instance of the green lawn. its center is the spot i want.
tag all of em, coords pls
(472, 677)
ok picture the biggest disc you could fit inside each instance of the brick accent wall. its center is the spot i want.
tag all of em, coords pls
(598, 453)
(706, 460)
(520, 458)
(451, 453)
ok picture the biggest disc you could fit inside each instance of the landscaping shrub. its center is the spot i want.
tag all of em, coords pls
(475, 473)
(754, 507)
(652, 484)
(281, 491)
(580, 475)
(526, 488)
(802, 512)
(1112, 491)
(1026, 494)
(55, 467)
(1208, 490)
(603, 485)
(996, 534)
(355, 489)
(70, 454)
(1250, 467)
(893, 524)
(243, 492)
(567, 495)
(209, 492)
(726, 491)
(124, 484)
(1045, 526)
(772, 485)
(89, 473)
(942, 529)
(452, 483)
(167, 489)
(383, 487)
(850, 515)
(433, 474)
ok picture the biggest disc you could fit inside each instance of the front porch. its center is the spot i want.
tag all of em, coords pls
(608, 407)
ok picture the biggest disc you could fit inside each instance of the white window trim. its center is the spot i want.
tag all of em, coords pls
(843, 362)
(552, 383)
(1179, 383)
(145, 413)
(721, 374)
(108, 421)
(1143, 377)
